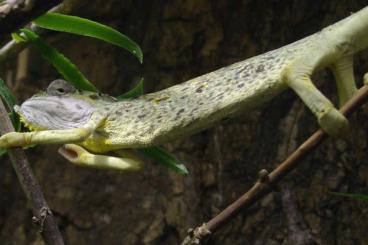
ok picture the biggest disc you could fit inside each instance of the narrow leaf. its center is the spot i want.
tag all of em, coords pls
(85, 27)
(134, 92)
(2, 152)
(10, 101)
(18, 38)
(161, 156)
(65, 67)
(350, 195)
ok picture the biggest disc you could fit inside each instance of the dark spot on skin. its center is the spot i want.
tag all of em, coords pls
(78, 107)
(93, 97)
(141, 116)
(183, 97)
(244, 68)
(159, 116)
(118, 113)
(128, 134)
(180, 111)
(199, 90)
(260, 68)
(220, 95)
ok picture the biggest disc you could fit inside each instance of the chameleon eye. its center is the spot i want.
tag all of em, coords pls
(60, 90)
(60, 87)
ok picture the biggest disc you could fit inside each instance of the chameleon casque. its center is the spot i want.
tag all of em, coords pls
(98, 123)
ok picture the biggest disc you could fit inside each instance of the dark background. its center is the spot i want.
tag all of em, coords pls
(181, 40)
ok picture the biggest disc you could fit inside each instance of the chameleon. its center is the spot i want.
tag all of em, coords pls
(92, 126)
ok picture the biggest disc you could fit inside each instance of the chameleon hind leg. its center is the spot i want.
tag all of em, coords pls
(329, 118)
(344, 76)
(80, 156)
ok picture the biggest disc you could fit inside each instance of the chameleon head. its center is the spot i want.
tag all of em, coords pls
(60, 107)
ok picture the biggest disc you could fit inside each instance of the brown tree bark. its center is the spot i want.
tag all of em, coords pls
(180, 40)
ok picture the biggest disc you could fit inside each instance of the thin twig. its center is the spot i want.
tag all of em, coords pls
(12, 48)
(16, 13)
(42, 213)
(267, 181)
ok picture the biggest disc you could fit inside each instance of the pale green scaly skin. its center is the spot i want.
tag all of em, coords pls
(104, 125)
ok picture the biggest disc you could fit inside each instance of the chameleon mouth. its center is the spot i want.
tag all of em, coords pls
(69, 153)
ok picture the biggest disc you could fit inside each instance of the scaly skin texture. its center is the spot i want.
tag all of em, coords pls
(101, 124)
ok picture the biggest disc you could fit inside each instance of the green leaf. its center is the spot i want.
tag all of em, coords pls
(161, 156)
(134, 92)
(2, 152)
(10, 101)
(18, 38)
(65, 67)
(350, 195)
(85, 27)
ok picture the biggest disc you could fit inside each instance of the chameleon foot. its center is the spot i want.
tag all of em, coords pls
(334, 123)
(329, 118)
(365, 79)
(78, 155)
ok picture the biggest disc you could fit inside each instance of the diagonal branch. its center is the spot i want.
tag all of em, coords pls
(267, 181)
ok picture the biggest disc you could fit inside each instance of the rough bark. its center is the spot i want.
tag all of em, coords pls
(180, 40)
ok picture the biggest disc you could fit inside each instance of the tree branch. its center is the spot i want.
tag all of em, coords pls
(42, 213)
(13, 48)
(267, 181)
(16, 13)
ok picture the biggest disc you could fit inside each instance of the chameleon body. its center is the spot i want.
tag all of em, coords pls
(101, 124)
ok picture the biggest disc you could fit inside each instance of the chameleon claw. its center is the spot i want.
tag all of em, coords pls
(78, 155)
(334, 123)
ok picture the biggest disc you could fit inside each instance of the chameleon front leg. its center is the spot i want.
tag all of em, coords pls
(78, 155)
(344, 76)
(329, 118)
(14, 139)
(59, 136)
